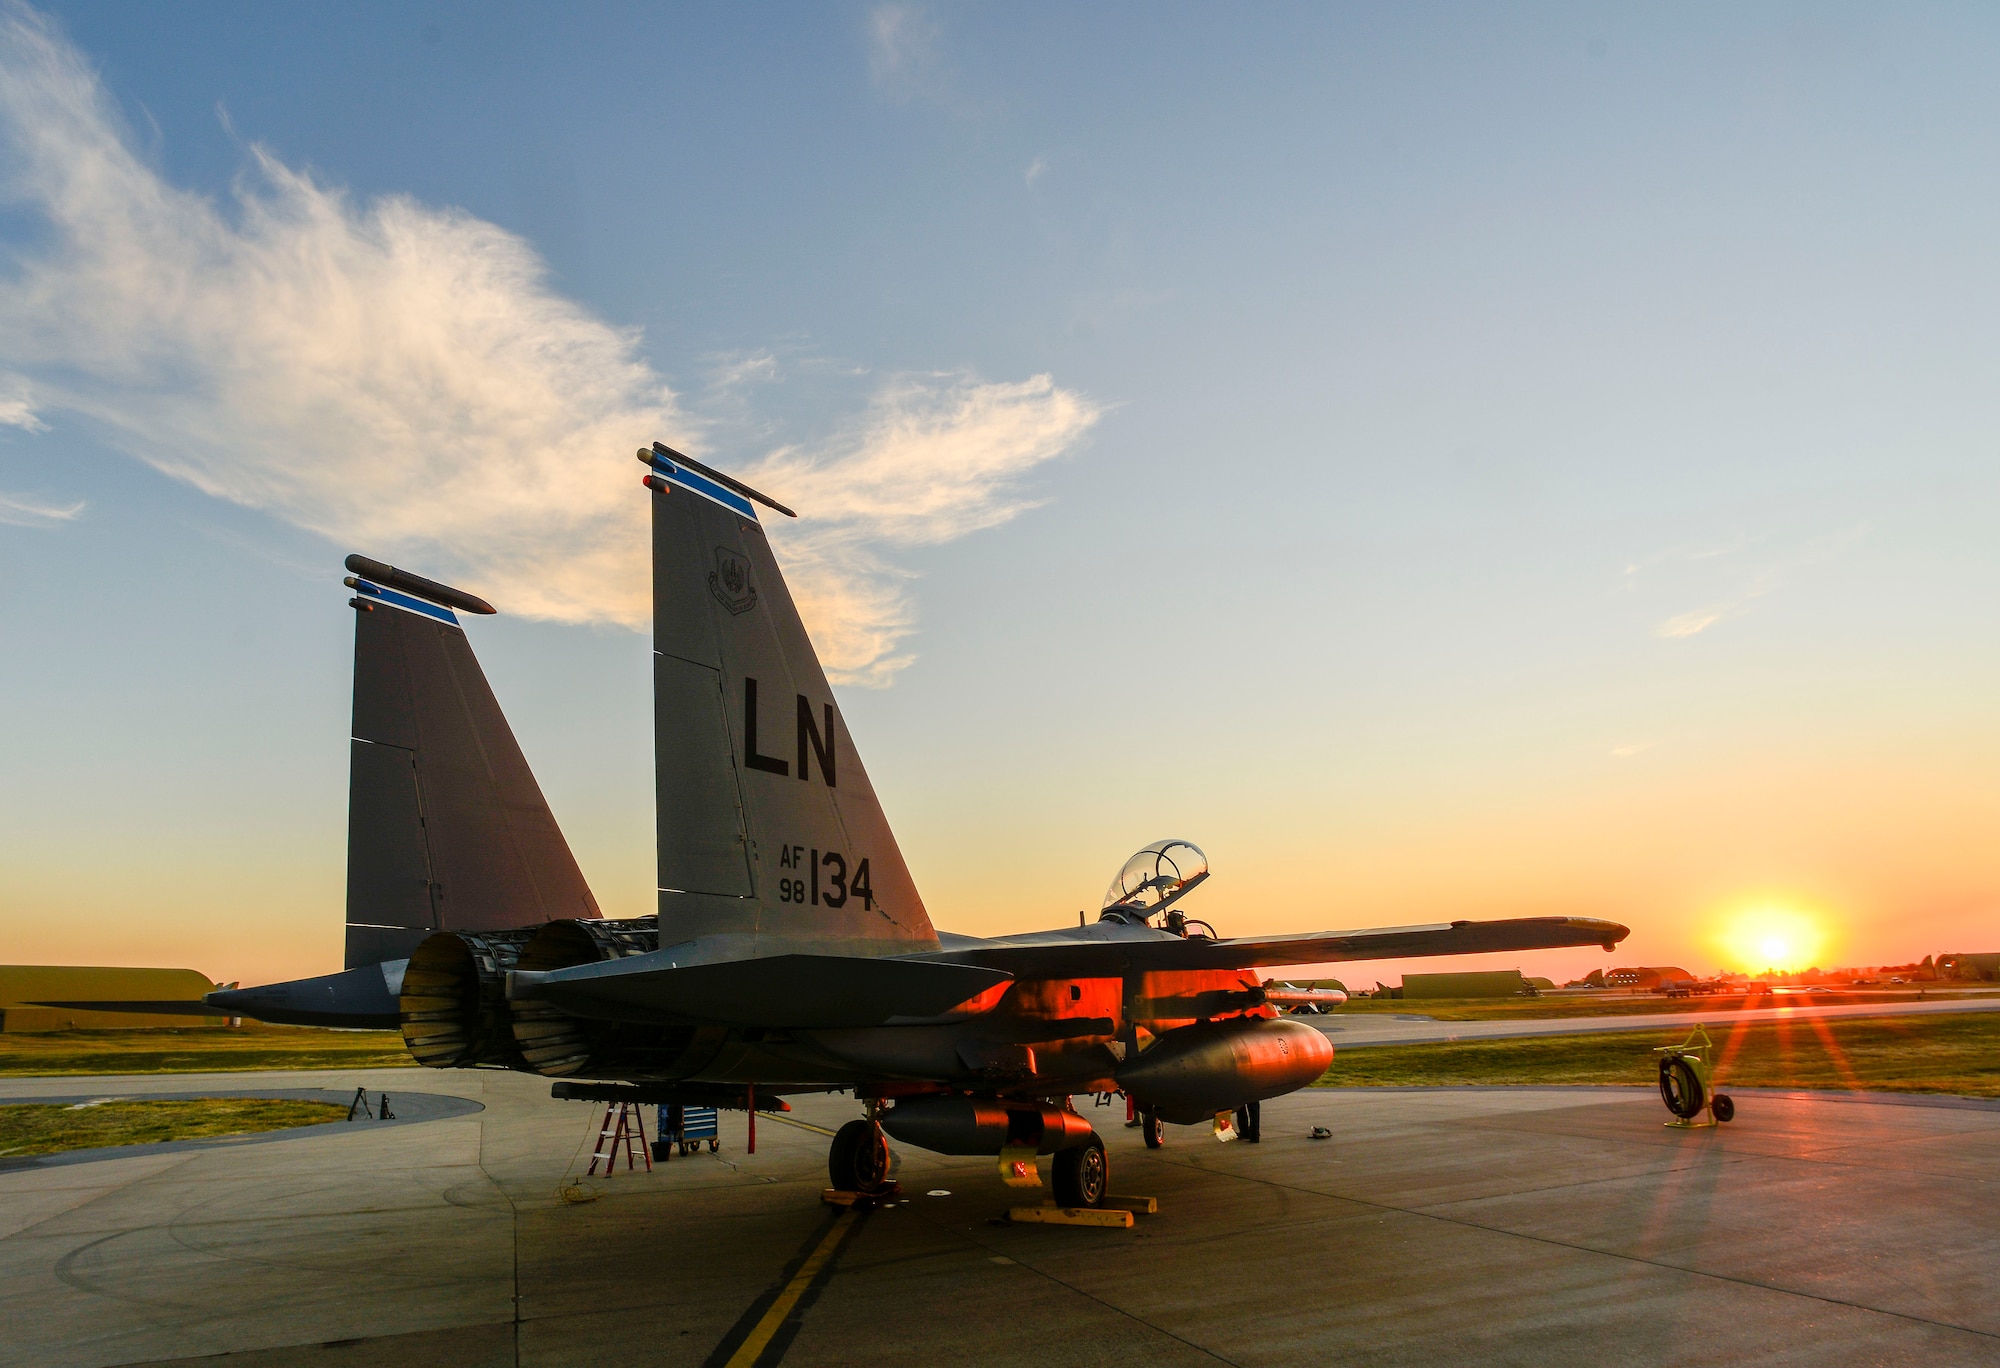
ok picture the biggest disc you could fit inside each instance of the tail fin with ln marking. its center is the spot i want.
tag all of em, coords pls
(768, 826)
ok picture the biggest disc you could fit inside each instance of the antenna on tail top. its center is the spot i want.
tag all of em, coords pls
(390, 577)
(662, 450)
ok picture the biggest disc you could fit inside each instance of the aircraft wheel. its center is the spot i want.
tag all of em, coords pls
(1083, 1174)
(1680, 1089)
(1152, 1129)
(859, 1159)
(1724, 1107)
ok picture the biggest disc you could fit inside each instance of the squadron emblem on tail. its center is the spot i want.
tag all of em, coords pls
(730, 582)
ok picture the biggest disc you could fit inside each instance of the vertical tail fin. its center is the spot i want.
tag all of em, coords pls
(768, 826)
(446, 827)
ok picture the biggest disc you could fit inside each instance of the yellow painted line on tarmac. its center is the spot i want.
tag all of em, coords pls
(802, 1125)
(751, 1350)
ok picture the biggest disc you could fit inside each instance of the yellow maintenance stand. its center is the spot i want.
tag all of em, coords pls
(1687, 1084)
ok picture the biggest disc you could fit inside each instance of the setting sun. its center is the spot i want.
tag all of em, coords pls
(1772, 935)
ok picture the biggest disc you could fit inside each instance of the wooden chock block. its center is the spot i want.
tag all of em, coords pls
(1071, 1216)
(1144, 1206)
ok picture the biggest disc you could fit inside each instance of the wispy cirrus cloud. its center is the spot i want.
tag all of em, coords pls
(22, 512)
(902, 48)
(404, 380)
(1756, 582)
(934, 459)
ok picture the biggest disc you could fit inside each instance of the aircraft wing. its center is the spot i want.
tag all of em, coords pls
(1105, 950)
(824, 991)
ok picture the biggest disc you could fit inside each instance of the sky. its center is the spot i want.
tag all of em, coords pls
(1446, 461)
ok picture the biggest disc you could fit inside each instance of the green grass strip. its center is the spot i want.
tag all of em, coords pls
(200, 1049)
(40, 1128)
(1956, 1053)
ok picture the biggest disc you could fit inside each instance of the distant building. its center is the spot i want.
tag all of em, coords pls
(1644, 978)
(1492, 983)
(115, 997)
(1983, 968)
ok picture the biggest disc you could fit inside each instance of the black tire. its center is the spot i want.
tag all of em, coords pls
(1083, 1174)
(713, 1146)
(1152, 1130)
(859, 1159)
(1724, 1107)
(1680, 1089)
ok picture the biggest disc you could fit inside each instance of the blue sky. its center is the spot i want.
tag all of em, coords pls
(1445, 460)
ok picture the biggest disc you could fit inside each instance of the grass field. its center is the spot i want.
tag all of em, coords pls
(1602, 1004)
(36, 1128)
(200, 1049)
(1956, 1052)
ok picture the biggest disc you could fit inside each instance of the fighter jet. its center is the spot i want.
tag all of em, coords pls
(792, 952)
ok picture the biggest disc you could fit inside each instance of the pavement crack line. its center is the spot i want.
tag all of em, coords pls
(1552, 1242)
(514, 1229)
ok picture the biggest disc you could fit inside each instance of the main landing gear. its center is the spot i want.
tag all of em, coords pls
(859, 1159)
(1082, 1174)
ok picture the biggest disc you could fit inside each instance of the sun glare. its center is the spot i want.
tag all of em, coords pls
(1773, 935)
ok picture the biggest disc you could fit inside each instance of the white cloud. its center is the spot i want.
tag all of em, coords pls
(403, 380)
(1689, 624)
(1036, 170)
(933, 460)
(1776, 573)
(902, 48)
(20, 512)
(19, 411)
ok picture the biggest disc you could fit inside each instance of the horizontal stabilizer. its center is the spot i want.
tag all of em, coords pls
(1109, 948)
(363, 998)
(141, 1006)
(780, 991)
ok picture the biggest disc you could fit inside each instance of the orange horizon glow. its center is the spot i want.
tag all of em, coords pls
(1780, 934)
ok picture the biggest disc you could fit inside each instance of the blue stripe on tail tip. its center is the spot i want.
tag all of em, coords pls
(707, 488)
(406, 603)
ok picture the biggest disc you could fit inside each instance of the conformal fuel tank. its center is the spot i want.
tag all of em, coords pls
(1191, 1074)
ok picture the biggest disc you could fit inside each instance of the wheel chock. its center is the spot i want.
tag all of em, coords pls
(840, 1197)
(1102, 1217)
(1143, 1206)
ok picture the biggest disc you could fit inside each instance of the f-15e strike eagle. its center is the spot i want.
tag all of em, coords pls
(792, 952)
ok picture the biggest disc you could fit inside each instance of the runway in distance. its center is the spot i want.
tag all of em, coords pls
(791, 952)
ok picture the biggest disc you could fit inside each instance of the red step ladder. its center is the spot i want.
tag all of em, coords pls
(623, 1132)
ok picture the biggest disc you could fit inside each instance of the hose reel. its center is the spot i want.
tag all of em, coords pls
(1687, 1085)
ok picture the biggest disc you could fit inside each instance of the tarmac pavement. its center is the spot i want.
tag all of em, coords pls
(1489, 1226)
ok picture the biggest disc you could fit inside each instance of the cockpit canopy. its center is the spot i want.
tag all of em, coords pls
(1155, 878)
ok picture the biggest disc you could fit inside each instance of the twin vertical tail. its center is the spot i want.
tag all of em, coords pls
(446, 827)
(770, 835)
